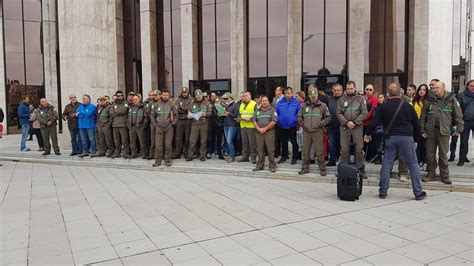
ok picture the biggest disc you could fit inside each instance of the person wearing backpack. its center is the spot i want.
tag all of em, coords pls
(437, 117)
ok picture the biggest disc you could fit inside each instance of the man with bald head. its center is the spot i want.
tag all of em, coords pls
(69, 115)
(400, 137)
(436, 119)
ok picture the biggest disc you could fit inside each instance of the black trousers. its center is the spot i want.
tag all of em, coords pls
(288, 134)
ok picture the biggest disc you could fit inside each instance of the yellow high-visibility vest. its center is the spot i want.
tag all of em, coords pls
(247, 112)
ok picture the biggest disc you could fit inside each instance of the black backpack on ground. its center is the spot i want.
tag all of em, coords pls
(349, 180)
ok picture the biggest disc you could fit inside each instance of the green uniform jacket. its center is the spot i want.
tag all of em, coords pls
(314, 117)
(351, 108)
(119, 112)
(47, 114)
(202, 106)
(136, 116)
(103, 116)
(163, 114)
(182, 106)
(444, 110)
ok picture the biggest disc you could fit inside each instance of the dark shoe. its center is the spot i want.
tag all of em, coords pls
(322, 172)
(126, 156)
(72, 154)
(100, 154)
(221, 157)
(257, 169)
(57, 153)
(281, 161)
(303, 171)
(109, 155)
(203, 159)
(168, 163)
(176, 156)
(83, 154)
(421, 196)
(208, 156)
(150, 157)
(46, 153)
(272, 169)
(467, 160)
(253, 160)
(427, 179)
(451, 159)
(293, 161)
(189, 159)
(243, 160)
(331, 164)
(115, 156)
(94, 154)
(41, 149)
(446, 180)
(134, 156)
(312, 161)
(460, 163)
(157, 164)
(382, 196)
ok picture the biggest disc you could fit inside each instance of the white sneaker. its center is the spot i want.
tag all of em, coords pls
(403, 178)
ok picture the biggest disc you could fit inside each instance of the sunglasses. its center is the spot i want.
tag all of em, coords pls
(368, 89)
(119, 95)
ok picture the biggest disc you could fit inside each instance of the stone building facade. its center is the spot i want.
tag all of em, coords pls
(54, 47)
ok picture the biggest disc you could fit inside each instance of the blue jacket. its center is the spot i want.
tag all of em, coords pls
(287, 112)
(86, 116)
(24, 114)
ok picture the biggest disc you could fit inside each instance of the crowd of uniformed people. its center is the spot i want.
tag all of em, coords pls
(203, 125)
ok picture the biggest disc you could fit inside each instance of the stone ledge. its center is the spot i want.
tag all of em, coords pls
(284, 172)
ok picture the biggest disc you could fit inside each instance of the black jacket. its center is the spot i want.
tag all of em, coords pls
(405, 124)
(233, 109)
(332, 105)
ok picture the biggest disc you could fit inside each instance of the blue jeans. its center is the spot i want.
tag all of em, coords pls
(334, 143)
(88, 137)
(406, 146)
(230, 134)
(25, 131)
(76, 143)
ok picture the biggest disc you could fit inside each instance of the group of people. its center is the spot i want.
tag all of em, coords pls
(203, 126)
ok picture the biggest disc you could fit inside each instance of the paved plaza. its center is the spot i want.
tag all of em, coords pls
(59, 214)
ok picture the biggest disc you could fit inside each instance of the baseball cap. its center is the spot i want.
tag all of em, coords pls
(157, 92)
(312, 92)
(226, 96)
(184, 89)
(198, 92)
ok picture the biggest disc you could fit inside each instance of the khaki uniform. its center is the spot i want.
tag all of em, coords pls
(263, 117)
(436, 119)
(45, 115)
(104, 129)
(183, 125)
(163, 116)
(136, 121)
(151, 109)
(199, 128)
(119, 113)
(314, 119)
(352, 108)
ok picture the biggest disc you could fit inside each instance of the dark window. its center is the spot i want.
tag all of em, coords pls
(267, 45)
(23, 55)
(214, 40)
(385, 44)
(132, 46)
(324, 37)
(169, 45)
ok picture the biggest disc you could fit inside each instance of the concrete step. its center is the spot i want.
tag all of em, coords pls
(461, 182)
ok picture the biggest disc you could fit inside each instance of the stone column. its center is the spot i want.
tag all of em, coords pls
(470, 43)
(49, 54)
(189, 41)
(149, 45)
(3, 96)
(91, 47)
(238, 50)
(295, 39)
(359, 11)
(431, 42)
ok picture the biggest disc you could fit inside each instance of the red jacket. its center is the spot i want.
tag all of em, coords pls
(372, 102)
